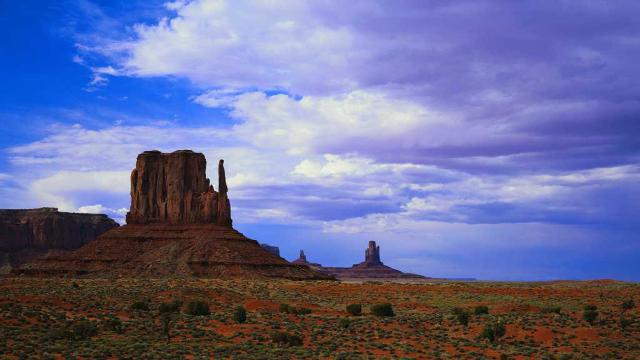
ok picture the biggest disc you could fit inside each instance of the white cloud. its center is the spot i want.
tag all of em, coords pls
(312, 123)
(225, 98)
(58, 189)
(101, 209)
(210, 43)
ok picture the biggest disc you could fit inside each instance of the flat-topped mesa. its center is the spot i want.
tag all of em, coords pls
(173, 188)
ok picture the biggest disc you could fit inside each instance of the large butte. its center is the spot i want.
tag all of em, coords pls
(178, 225)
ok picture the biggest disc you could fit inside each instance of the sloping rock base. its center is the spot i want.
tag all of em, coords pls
(161, 250)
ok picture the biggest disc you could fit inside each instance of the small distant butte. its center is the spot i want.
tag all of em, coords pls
(371, 268)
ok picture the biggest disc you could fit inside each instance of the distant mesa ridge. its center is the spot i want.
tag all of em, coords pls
(371, 268)
(178, 225)
(26, 234)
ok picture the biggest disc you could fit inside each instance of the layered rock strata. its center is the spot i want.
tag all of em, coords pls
(28, 233)
(173, 188)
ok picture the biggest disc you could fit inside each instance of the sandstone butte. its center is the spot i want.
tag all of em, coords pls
(26, 234)
(371, 268)
(177, 226)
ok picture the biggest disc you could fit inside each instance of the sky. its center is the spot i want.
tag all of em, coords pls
(497, 140)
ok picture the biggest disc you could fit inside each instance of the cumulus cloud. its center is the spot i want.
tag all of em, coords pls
(398, 82)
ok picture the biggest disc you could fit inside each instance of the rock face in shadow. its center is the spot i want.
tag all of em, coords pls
(173, 188)
(272, 249)
(178, 225)
(28, 233)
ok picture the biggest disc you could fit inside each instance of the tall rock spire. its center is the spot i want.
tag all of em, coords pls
(372, 254)
(224, 207)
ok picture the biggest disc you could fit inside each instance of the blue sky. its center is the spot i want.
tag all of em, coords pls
(503, 149)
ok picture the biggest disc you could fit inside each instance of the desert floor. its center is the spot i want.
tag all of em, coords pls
(94, 319)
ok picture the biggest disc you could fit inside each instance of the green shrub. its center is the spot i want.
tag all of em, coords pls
(240, 315)
(628, 305)
(344, 323)
(463, 318)
(551, 309)
(590, 314)
(57, 333)
(354, 309)
(625, 323)
(301, 311)
(493, 331)
(288, 309)
(170, 307)
(140, 305)
(382, 310)
(198, 308)
(285, 308)
(479, 310)
(83, 329)
(457, 310)
(114, 324)
(283, 338)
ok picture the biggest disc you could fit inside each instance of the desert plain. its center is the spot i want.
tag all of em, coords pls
(127, 318)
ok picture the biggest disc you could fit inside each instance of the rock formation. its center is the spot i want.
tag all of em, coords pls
(302, 260)
(372, 254)
(370, 268)
(272, 249)
(173, 189)
(28, 233)
(178, 225)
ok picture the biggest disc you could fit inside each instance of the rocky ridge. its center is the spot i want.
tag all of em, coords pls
(26, 234)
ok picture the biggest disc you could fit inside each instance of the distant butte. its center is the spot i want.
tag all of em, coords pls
(26, 234)
(178, 225)
(371, 268)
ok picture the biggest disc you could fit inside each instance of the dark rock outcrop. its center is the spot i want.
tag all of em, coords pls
(28, 233)
(372, 254)
(178, 225)
(272, 249)
(173, 188)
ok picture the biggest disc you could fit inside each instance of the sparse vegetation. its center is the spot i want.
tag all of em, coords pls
(354, 309)
(493, 331)
(628, 305)
(140, 305)
(198, 308)
(481, 310)
(288, 309)
(462, 316)
(551, 310)
(170, 307)
(240, 315)
(287, 339)
(344, 323)
(382, 310)
(45, 319)
(590, 314)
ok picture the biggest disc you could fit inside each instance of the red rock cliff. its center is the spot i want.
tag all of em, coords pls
(47, 229)
(173, 188)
